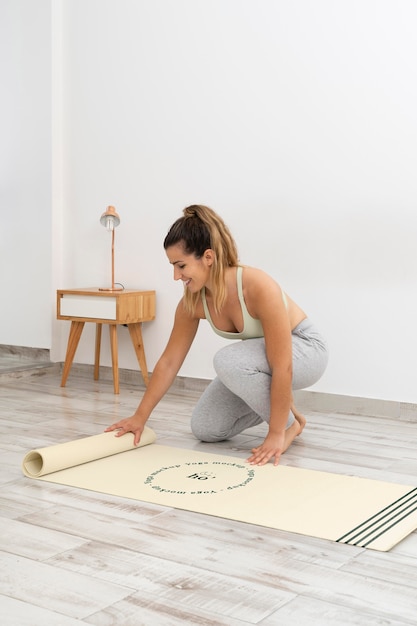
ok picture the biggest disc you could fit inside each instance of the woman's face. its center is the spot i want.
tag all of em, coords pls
(194, 272)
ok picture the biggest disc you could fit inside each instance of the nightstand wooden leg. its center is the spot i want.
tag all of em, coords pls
(114, 357)
(97, 353)
(135, 331)
(73, 339)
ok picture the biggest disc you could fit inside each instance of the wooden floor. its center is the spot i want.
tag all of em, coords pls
(71, 557)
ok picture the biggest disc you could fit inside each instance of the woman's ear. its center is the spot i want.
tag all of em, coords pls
(209, 256)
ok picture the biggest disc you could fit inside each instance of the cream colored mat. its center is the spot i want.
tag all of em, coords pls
(359, 511)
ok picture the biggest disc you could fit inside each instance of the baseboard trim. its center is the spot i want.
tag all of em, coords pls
(21, 361)
(41, 355)
(334, 403)
(134, 377)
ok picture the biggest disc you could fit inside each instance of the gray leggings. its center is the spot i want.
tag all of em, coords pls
(239, 397)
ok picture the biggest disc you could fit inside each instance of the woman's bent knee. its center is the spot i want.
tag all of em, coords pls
(202, 431)
(204, 435)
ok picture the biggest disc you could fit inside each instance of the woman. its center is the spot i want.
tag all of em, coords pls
(281, 350)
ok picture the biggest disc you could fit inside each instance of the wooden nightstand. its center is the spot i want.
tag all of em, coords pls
(129, 307)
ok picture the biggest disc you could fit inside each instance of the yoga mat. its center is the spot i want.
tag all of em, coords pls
(346, 509)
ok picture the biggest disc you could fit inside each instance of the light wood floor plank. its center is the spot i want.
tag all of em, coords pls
(34, 542)
(193, 587)
(55, 589)
(139, 610)
(17, 613)
(305, 610)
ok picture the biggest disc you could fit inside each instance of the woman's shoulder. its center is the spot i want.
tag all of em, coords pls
(256, 277)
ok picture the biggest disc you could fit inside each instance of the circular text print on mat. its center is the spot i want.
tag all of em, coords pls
(200, 477)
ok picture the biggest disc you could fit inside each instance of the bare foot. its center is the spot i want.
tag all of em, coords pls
(291, 433)
(299, 417)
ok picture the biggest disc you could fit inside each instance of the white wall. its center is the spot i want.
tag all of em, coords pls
(25, 173)
(296, 121)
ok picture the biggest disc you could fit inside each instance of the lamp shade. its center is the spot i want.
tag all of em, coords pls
(110, 219)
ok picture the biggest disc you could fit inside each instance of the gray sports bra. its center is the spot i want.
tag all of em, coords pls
(252, 327)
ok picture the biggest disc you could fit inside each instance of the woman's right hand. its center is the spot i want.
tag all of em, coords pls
(129, 425)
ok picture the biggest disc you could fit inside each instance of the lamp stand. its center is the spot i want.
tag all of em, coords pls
(113, 287)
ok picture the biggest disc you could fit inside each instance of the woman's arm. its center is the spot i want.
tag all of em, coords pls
(182, 336)
(265, 301)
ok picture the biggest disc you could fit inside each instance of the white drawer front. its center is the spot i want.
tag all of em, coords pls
(88, 306)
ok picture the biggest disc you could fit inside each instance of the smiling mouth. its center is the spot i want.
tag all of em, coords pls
(187, 282)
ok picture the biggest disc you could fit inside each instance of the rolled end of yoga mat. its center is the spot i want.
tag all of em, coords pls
(33, 464)
(61, 456)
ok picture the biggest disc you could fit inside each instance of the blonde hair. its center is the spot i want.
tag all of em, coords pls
(201, 229)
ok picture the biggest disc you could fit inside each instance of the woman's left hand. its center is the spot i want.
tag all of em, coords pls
(272, 448)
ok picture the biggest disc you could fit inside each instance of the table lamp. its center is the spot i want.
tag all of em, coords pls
(110, 219)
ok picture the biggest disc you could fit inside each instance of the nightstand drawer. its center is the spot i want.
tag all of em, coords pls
(95, 307)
